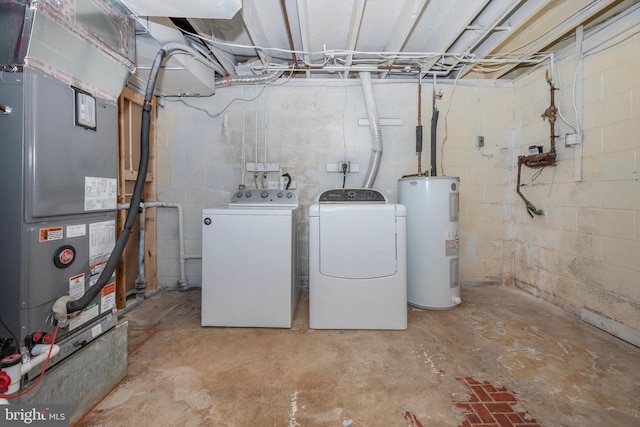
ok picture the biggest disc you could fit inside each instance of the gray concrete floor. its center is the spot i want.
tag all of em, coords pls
(562, 371)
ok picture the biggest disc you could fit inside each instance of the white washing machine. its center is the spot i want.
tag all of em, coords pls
(357, 261)
(249, 260)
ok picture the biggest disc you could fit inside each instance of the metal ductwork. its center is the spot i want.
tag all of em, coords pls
(86, 44)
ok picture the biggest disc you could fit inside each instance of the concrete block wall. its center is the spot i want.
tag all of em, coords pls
(307, 124)
(481, 108)
(585, 251)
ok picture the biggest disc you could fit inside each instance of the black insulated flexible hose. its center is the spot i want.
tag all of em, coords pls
(136, 198)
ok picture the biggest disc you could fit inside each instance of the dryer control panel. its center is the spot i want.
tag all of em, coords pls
(342, 195)
(263, 198)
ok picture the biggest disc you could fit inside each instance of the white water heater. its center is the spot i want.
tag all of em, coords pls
(432, 240)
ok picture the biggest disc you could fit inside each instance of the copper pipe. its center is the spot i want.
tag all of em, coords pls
(531, 209)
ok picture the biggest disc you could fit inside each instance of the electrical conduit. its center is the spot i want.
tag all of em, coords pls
(249, 80)
(374, 129)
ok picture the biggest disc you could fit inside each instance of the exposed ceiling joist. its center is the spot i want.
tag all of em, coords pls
(405, 24)
(254, 28)
(303, 16)
(558, 21)
(354, 30)
(398, 39)
(451, 26)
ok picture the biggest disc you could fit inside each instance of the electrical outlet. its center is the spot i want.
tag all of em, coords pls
(344, 166)
(571, 139)
(336, 167)
(479, 141)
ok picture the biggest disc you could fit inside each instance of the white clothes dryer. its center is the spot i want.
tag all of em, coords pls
(357, 261)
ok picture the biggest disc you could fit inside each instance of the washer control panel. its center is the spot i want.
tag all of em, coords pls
(257, 197)
(342, 195)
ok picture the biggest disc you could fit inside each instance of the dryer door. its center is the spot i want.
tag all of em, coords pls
(358, 241)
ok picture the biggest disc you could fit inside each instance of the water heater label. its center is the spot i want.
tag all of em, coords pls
(100, 193)
(49, 234)
(451, 243)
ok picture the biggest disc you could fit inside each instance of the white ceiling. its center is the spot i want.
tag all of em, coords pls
(391, 38)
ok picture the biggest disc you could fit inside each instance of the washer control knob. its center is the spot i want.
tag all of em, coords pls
(279, 194)
(289, 195)
(248, 194)
(207, 221)
(239, 194)
(264, 194)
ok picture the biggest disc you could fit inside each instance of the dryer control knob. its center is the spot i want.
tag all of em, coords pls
(207, 221)
(289, 195)
(279, 194)
(264, 194)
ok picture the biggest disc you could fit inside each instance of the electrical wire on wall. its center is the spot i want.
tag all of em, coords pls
(344, 140)
(222, 111)
(446, 125)
(255, 164)
(265, 113)
(243, 151)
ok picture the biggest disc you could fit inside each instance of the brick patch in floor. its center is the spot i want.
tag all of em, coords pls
(490, 406)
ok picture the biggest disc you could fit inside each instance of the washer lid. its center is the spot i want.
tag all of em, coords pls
(358, 241)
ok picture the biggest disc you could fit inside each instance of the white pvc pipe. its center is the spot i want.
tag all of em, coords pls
(182, 282)
(16, 372)
(374, 129)
(40, 358)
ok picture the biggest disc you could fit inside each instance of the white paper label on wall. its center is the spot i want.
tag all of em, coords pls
(451, 243)
(100, 193)
(108, 297)
(76, 286)
(88, 313)
(76, 230)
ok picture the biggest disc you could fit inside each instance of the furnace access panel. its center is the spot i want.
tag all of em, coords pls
(57, 223)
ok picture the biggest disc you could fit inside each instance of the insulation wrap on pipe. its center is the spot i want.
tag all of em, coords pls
(434, 133)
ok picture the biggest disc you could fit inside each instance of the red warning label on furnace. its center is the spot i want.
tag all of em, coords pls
(49, 234)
